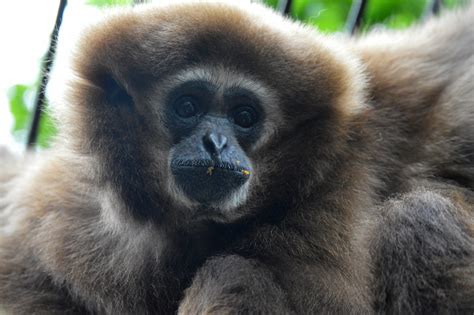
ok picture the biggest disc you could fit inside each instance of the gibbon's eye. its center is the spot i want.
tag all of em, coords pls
(186, 107)
(245, 116)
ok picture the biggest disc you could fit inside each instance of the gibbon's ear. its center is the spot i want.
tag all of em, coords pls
(115, 93)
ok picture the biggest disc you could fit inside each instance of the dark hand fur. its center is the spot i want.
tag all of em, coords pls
(361, 200)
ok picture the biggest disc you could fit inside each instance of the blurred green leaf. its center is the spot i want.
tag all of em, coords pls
(400, 20)
(18, 108)
(272, 3)
(455, 3)
(393, 14)
(108, 3)
(22, 113)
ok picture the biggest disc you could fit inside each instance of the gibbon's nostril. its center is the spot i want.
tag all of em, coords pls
(214, 143)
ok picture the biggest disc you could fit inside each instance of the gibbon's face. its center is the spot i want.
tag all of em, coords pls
(214, 117)
(208, 107)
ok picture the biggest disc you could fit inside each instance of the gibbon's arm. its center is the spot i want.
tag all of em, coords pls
(421, 89)
(423, 254)
(234, 285)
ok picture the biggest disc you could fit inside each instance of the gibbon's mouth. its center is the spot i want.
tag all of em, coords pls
(208, 181)
(227, 166)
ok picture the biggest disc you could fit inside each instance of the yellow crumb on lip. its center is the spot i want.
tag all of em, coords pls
(245, 172)
(209, 170)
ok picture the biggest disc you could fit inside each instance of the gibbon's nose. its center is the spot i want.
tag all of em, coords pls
(214, 143)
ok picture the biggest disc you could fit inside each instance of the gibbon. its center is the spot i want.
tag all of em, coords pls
(217, 158)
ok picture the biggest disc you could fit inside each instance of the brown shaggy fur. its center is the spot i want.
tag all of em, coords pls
(361, 200)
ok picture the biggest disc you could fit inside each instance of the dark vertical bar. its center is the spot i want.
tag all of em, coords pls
(433, 8)
(285, 7)
(436, 6)
(355, 15)
(45, 70)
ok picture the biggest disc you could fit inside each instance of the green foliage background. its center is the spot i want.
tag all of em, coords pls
(326, 15)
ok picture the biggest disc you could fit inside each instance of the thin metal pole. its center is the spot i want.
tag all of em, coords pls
(285, 7)
(355, 15)
(45, 70)
(433, 8)
(436, 6)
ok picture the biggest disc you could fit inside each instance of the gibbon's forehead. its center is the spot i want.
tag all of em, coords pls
(165, 39)
(153, 42)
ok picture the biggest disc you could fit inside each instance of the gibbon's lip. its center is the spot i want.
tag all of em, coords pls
(207, 181)
(212, 165)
